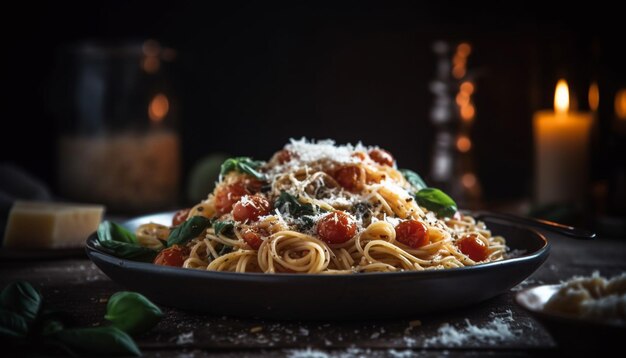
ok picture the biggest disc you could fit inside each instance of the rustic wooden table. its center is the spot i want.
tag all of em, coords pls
(78, 286)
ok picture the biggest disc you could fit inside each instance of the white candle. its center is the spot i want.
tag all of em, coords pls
(561, 151)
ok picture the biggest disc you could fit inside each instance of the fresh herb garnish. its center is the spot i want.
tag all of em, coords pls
(436, 200)
(132, 312)
(414, 179)
(24, 324)
(243, 165)
(225, 227)
(117, 241)
(188, 230)
(287, 203)
(95, 341)
(22, 299)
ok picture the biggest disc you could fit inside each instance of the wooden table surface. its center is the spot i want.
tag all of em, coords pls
(77, 285)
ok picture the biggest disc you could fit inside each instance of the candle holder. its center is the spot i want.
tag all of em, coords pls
(118, 144)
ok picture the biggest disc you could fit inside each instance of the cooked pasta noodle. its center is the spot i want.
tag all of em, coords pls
(318, 208)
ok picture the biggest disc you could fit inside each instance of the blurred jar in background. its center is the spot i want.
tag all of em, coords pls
(118, 143)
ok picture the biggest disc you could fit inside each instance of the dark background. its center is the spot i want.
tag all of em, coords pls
(251, 75)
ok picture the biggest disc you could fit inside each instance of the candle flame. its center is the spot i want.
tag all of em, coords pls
(561, 97)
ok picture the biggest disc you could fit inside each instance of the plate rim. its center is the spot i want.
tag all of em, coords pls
(540, 254)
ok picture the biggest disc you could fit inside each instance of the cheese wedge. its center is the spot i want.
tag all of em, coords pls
(39, 225)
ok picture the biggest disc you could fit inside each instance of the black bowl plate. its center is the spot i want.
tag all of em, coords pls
(326, 297)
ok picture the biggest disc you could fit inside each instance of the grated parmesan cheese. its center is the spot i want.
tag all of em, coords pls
(494, 332)
(326, 149)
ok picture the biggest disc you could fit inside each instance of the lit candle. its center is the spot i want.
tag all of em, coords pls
(561, 151)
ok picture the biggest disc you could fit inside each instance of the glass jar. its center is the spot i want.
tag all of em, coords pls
(118, 144)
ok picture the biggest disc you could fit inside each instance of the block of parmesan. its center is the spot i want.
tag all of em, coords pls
(39, 225)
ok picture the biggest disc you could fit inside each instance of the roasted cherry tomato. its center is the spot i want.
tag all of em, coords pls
(349, 177)
(227, 196)
(412, 233)
(381, 157)
(472, 246)
(336, 227)
(250, 207)
(172, 256)
(180, 216)
(253, 237)
(283, 156)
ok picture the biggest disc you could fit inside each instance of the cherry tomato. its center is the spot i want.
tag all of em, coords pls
(349, 178)
(253, 238)
(172, 256)
(381, 157)
(336, 227)
(250, 207)
(180, 216)
(228, 195)
(473, 247)
(253, 186)
(283, 156)
(412, 233)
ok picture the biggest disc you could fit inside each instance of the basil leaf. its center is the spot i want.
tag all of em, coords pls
(127, 251)
(188, 230)
(243, 165)
(12, 325)
(224, 227)
(437, 201)
(111, 231)
(104, 341)
(414, 179)
(132, 312)
(22, 299)
(287, 203)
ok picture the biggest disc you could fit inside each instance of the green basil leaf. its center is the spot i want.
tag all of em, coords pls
(224, 227)
(188, 230)
(132, 312)
(12, 325)
(243, 165)
(103, 341)
(111, 231)
(437, 201)
(287, 203)
(21, 298)
(414, 179)
(127, 251)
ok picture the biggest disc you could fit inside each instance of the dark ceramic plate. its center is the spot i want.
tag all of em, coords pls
(324, 297)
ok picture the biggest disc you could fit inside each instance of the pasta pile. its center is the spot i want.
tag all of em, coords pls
(322, 208)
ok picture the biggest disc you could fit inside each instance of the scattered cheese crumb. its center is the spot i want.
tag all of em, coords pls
(494, 332)
(185, 338)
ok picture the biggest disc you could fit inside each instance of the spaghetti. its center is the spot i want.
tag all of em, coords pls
(319, 208)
